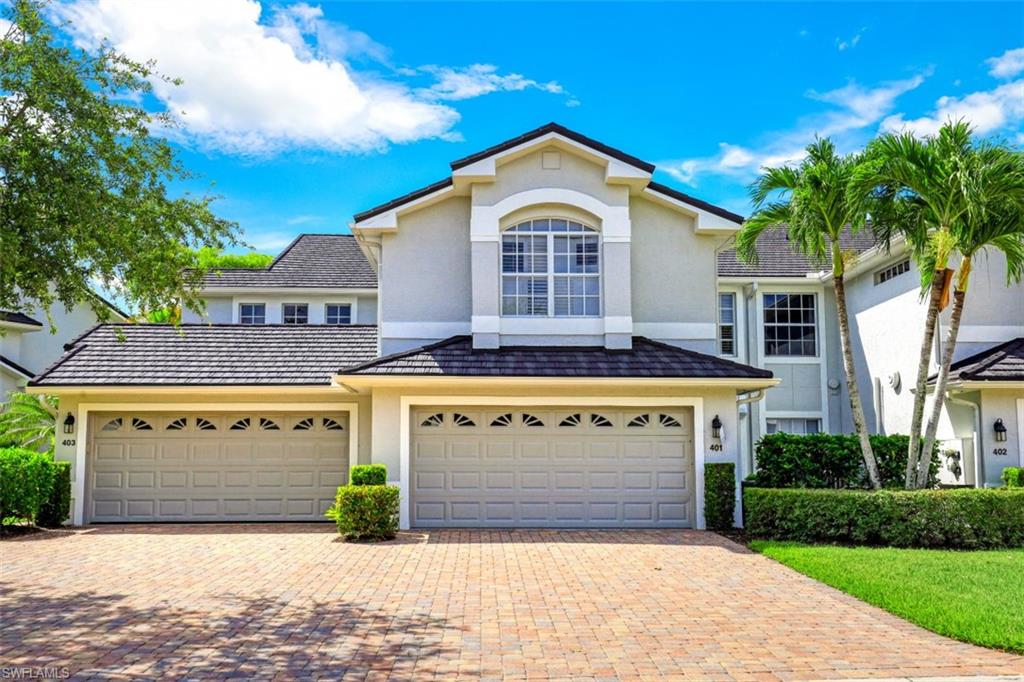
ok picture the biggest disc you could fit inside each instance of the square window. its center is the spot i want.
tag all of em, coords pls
(338, 313)
(790, 325)
(252, 313)
(295, 313)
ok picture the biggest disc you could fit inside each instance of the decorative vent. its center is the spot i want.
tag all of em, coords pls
(178, 424)
(571, 420)
(502, 420)
(113, 425)
(268, 425)
(241, 425)
(462, 420)
(204, 424)
(140, 425)
(303, 425)
(530, 420)
(600, 420)
(640, 420)
(668, 421)
(332, 425)
(433, 420)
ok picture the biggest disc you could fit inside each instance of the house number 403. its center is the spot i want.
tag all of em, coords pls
(68, 442)
(999, 451)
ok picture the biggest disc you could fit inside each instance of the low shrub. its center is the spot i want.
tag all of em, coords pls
(369, 474)
(26, 480)
(57, 507)
(366, 512)
(952, 519)
(823, 460)
(719, 495)
(1013, 477)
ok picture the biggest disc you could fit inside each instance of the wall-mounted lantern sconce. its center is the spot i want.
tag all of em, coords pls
(69, 423)
(1000, 430)
(716, 427)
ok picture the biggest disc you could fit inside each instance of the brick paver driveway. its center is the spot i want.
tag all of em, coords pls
(291, 601)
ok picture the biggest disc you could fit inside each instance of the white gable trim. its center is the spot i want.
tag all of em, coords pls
(704, 221)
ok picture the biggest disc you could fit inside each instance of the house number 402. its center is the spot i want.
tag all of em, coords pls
(999, 451)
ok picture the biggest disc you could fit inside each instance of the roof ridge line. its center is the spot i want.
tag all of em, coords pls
(394, 356)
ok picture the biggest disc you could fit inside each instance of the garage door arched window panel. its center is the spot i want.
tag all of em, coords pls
(502, 420)
(462, 420)
(141, 424)
(600, 420)
(241, 424)
(268, 425)
(332, 425)
(436, 419)
(179, 424)
(204, 424)
(551, 267)
(303, 424)
(113, 425)
(571, 420)
(639, 421)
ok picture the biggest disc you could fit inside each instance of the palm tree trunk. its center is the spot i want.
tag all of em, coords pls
(859, 422)
(922, 377)
(959, 298)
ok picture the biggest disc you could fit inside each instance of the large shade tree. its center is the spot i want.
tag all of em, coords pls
(944, 195)
(815, 203)
(85, 183)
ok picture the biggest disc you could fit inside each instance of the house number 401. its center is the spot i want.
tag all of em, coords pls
(999, 451)
(716, 447)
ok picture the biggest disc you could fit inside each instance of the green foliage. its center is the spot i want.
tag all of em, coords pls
(211, 258)
(1013, 477)
(964, 595)
(57, 507)
(369, 474)
(28, 421)
(824, 460)
(26, 480)
(952, 519)
(85, 188)
(719, 495)
(366, 512)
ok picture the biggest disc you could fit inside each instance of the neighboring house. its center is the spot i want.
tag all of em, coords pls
(782, 315)
(544, 356)
(27, 345)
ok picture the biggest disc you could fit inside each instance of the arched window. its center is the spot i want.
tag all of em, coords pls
(550, 267)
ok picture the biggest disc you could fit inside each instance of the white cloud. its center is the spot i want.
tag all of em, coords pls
(850, 43)
(304, 219)
(1008, 64)
(480, 79)
(257, 88)
(856, 110)
(987, 111)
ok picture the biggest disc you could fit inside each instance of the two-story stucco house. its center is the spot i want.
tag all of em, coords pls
(781, 315)
(529, 342)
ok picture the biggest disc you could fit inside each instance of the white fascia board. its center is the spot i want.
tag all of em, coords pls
(388, 221)
(19, 327)
(257, 291)
(483, 170)
(157, 390)
(367, 381)
(964, 386)
(704, 222)
(14, 372)
(986, 333)
(809, 279)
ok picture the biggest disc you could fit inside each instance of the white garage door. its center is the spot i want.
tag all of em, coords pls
(215, 466)
(543, 467)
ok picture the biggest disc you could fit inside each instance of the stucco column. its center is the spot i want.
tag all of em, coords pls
(617, 295)
(486, 298)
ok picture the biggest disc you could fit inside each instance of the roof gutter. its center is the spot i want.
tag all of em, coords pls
(364, 380)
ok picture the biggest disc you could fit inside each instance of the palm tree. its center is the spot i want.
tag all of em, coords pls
(815, 203)
(995, 219)
(28, 421)
(928, 191)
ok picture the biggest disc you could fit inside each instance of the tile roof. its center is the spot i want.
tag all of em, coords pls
(647, 359)
(210, 355)
(18, 318)
(11, 364)
(776, 257)
(1004, 362)
(312, 260)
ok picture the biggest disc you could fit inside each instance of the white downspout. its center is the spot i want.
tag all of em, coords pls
(979, 476)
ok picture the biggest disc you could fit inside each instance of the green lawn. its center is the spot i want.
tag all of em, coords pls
(975, 597)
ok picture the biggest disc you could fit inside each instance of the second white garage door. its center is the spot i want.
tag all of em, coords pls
(247, 466)
(544, 467)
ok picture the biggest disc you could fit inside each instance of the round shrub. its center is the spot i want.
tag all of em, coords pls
(26, 480)
(366, 512)
(369, 474)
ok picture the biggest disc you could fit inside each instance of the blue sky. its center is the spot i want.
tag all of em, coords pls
(303, 114)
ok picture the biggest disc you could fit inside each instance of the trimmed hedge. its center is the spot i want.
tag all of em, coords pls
(823, 460)
(1013, 477)
(719, 495)
(369, 474)
(26, 479)
(366, 512)
(952, 519)
(57, 507)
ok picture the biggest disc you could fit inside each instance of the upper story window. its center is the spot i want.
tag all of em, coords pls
(550, 267)
(891, 272)
(727, 324)
(794, 426)
(338, 313)
(790, 325)
(252, 313)
(295, 313)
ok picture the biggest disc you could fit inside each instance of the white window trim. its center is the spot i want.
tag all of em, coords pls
(735, 323)
(351, 312)
(308, 318)
(551, 274)
(238, 311)
(818, 328)
(796, 415)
